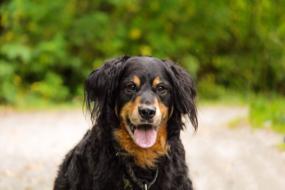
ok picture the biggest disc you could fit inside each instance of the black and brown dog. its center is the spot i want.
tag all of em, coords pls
(137, 105)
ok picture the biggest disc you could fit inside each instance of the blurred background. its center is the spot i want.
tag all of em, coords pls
(235, 51)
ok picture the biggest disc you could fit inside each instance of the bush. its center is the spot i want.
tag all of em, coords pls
(53, 45)
(268, 112)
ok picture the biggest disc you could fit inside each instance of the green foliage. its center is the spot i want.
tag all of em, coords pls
(268, 113)
(50, 88)
(47, 48)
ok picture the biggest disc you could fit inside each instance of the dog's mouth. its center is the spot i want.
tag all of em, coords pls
(144, 135)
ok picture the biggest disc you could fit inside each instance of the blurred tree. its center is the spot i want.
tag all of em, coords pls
(47, 48)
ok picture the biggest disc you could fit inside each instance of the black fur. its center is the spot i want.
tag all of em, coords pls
(98, 163)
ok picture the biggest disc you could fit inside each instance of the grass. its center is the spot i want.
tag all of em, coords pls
(268, 112)
(229, 98)
(265, 111)
(237, 122)
(281, 147)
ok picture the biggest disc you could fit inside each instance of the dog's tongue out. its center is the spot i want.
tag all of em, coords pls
(145, 137)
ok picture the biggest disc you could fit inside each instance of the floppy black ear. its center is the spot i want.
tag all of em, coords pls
(101, 85)
(184, 92)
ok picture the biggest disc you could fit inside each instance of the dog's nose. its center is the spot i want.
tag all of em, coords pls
(147, 112)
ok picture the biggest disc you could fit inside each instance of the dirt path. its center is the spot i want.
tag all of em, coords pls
(33, 144)
(221, 158)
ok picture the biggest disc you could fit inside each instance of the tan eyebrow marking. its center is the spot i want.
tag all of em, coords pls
(137, 80)
(156, 81)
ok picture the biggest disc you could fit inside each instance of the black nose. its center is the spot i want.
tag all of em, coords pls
(146, 112)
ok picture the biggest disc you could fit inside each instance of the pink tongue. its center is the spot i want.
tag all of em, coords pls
(145, 138)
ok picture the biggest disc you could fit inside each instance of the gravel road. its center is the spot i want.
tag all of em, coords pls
(33, 144)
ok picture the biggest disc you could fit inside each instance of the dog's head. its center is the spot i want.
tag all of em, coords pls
(148, 96)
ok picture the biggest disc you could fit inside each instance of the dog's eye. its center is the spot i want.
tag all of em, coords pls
(161, 89)
(131, 88)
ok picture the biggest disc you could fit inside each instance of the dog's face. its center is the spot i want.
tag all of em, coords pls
(144, 100)
(148, 97)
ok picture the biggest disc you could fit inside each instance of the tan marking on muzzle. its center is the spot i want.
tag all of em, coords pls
(163, 109)
(130, 110)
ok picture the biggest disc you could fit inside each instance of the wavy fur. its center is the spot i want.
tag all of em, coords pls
(98, 163)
